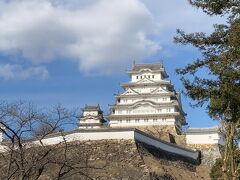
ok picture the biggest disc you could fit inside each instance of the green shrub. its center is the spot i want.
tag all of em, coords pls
(216, 171)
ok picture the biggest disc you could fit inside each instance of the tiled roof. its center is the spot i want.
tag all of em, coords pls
(92, 108)
(153, 67)
(91, 124)
(202, 130)
(131, 84)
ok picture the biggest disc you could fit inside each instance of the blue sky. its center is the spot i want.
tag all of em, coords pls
(77, 52)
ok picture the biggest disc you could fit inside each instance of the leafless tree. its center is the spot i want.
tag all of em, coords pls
(21, 123)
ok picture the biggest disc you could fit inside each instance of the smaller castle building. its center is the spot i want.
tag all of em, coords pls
(92, 117)
(204, 136)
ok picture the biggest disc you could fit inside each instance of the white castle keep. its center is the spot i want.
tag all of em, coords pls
(148, 99)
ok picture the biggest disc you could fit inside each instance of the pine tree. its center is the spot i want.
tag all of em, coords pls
(220, 89)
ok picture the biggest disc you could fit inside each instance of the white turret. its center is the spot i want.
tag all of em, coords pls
(204, 136)
(92, 117)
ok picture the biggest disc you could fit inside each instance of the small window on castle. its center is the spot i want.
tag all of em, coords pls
(163, 119)
(145, 120)
(141, 77)
(149, 76)
(153, 76)
(145, 76)
(137, 77)
(128, 121)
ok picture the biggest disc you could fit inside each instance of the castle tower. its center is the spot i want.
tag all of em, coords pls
(92, 117)
(148, 99)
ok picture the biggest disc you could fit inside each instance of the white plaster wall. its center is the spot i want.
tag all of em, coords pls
(92, 113)
(87, 121)
(145, 110)
(89, 127)
(84, 136)
(163, 146)
(141, 122)
(1, 136)
(80, 136)
(144, 90)
(120, 112)
(144, 74)
(130, 100)
(213, 138)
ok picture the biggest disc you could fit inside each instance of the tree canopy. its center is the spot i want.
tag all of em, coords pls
(220, 88)
(220, 56)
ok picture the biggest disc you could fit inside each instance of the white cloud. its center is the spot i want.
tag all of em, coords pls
(101, 36)
(173, 14)
(9, 71)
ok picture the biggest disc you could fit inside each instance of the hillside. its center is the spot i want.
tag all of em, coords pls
(117, 159)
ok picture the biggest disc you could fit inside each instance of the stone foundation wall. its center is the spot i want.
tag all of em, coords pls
(121, 159)
(209, 152)
(111, 159)
(162, 132)
(158, 130)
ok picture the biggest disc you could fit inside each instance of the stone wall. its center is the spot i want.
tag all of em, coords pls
(162, 132)
(166, 150)
(124, 160)
(209, 152)
(121, 159)
(109, 159)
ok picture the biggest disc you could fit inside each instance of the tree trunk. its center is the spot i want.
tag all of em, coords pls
(229, 165)
(232, 150)
(226, 153)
